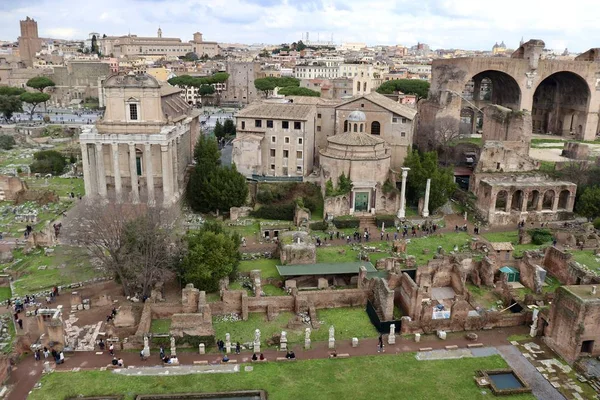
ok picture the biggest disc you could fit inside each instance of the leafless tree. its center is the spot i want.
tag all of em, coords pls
(134, 242)
(445, 133)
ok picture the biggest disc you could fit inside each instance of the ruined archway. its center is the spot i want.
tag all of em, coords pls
(560, 104)
(517, 201)
(548, 200)
(493, 87)
(471, 120)
(563, 199)
(532, 200)
(501, 199)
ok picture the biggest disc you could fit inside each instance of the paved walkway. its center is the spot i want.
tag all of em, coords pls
(540, 387)
(25, 375)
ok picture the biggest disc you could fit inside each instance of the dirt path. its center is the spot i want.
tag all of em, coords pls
(25, 375)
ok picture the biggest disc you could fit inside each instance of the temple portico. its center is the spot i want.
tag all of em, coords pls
(128, 158)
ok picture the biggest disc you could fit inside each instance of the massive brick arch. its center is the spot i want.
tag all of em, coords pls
(560, 104)
(494, 87)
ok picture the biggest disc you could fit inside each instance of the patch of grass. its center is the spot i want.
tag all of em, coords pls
(252, 230)
(587, 258)
(5, 293)
(160, 326)
(474, 140)
(238, 286)
(212, 297)
(447, 241)
(518, 338)
(66, 265)
(11, 330)
(336, 254)
(348, 323)
(272, 290)
(484, 297)
(512, 237)
(265, 265)
(354, 378)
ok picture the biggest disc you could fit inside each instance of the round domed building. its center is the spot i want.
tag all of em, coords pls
(362, 157)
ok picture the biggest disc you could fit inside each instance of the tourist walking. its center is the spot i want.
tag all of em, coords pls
(380, 344)
(20, 322)
(238, 348)
(46, 353)
(162, 352)
(37, 355)
(111, 349)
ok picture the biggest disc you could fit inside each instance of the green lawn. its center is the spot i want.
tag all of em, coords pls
(348, 323)
(587, 258)
(5, 293)
(446, 240)
(356, 378)
(160, 326)
(66, 265)
(272, 290)
(265, 265)
(513, 237)
(336, 254)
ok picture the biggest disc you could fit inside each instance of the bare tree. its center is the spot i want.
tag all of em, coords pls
(446, 131)
(131, 241)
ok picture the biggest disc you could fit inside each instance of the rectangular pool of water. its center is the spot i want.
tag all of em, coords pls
(503, 382)
(506, 381)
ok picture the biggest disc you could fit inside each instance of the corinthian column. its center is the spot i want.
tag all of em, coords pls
(426, 204)
(149, 172)
(100, 170)
(135, 195)
(116, 170)
(167, 176)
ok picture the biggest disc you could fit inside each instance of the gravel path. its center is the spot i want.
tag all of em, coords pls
(540, 387)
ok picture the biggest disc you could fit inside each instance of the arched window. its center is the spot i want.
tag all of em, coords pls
(346, 126)
(364, 86)
(358, 86)
(375, 128)
(360, 127)
(355, 127)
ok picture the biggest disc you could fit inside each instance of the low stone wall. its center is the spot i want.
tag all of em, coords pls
(165, 310)
(145, 320)
(560, 265)
(487, 321)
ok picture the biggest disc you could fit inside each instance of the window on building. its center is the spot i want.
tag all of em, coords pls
(394, 120)
(319, 115)
(286, 140)
(299, 155)
(355, 127)
(318, 129)
(273, 139)
(403, 120)
(133, 112)
(358, 86)
(364, 86)
(272, 167)
(375, 128)
(285, 124)
(360, 127)
(346, 126)
(269, 123)
(243, 124)
(297, 125)
(299, 168)
(272, 152)
(258, 123)
(300, 140)
(402, 134)
(286, 153)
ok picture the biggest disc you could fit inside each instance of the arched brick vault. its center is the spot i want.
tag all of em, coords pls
(526, 72)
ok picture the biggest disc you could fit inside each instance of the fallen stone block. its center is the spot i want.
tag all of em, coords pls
(425, 349)
(452, 347)
(472, 345)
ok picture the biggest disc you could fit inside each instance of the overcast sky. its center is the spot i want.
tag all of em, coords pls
(466, 24)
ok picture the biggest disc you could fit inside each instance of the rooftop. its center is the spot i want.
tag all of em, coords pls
(276, 111)
(583, 292)
(324, 269)
(388, 104)
(355, 139)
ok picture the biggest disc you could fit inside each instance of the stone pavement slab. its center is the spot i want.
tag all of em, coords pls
(540, 387)
(178, 370)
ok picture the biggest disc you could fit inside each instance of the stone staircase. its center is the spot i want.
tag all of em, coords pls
(368, 221)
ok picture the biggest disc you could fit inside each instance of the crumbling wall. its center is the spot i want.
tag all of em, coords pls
(409, 296)
(560, 265)
(383, 298)
(145, 320)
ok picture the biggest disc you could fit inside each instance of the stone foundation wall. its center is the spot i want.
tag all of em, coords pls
(165, 310)
(408, 292)
(560, 265)
(383, 298)
(145, 320)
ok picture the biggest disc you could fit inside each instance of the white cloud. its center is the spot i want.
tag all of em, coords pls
(470, 24)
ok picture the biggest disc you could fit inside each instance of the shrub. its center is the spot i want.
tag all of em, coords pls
(7, 142)
(48, 162)
(264, 196)
(283, 212)
(540, 236)
(597, 223)
(346, 222)
(319, 226)
(389, 220)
